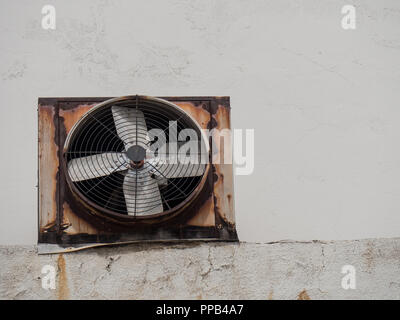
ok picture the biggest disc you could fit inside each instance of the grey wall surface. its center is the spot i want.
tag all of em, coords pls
(294, 270)
(324, 102)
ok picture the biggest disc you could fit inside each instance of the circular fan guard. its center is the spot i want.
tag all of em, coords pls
(109, 164)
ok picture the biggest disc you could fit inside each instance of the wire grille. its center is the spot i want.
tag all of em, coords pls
(103, 168)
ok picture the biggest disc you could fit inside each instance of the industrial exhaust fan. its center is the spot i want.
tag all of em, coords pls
(132, 169)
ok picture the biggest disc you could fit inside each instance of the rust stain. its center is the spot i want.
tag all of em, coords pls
(71, 116)
(205, 216)
(201, 115)
(51, 226)
(369, 255)
(223, 190)
(48, 167)
(223, 187)
(271, 295)
(303, 295)
(63, 290)
(76, 224)
(222, 116)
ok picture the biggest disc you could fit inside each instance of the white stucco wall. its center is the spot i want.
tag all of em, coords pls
(324, 102)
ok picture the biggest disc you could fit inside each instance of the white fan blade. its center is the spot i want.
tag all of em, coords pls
(131, 126)
(97, 165)
(142, 196)
(164, 168)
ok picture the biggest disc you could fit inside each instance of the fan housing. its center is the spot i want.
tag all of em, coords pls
(82, 201)
(106, 156)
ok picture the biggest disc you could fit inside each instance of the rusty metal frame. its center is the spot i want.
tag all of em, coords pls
(55, 196)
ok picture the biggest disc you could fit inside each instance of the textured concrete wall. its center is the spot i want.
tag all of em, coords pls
(291, 270)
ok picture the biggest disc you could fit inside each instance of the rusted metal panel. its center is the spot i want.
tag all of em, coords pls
(69, 223)
(205, 216)
(223, 182)
(198, 110)
(72, 222)
(48, 168)
(71, 115)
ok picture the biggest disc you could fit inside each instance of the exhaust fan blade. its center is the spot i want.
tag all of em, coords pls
(162, 167)
(131, 126)
(142, 196)
(96, 166)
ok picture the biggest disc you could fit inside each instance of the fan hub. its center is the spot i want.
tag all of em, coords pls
(136, 154)
(137, 164)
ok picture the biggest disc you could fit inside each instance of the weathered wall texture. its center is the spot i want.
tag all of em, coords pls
(283, 270)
